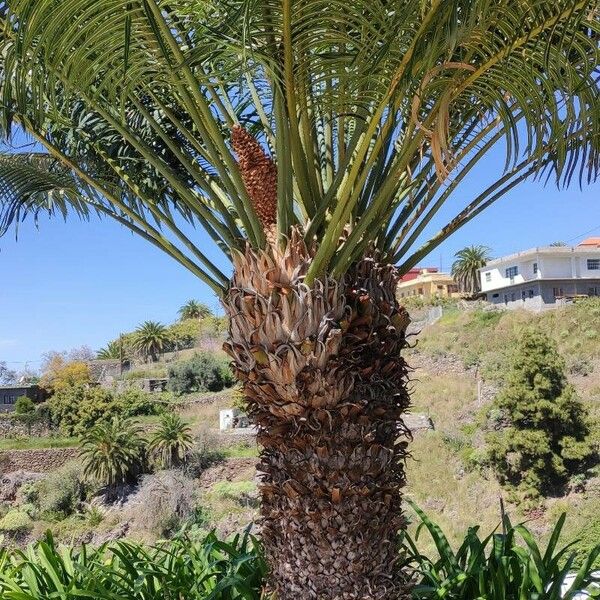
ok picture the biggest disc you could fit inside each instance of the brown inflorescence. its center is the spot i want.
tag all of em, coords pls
(259, 174)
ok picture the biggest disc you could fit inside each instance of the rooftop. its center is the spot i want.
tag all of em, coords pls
(582, 248)
(593, 242)
(17, 386)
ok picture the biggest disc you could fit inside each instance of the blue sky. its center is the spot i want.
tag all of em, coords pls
(81, 283)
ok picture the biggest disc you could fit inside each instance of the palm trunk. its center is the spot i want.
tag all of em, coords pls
(326, 386)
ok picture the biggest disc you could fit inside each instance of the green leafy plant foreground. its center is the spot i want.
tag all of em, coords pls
(506, 565)
(175, 570)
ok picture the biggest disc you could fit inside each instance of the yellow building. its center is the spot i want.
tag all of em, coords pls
(427, 283)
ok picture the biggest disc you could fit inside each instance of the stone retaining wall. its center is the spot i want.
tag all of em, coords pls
(36, 461)
(11, 427)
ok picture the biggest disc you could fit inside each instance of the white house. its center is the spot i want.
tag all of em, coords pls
(543, 277)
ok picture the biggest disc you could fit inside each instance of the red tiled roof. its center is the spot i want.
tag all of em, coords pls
(593, 241)
(416, 271)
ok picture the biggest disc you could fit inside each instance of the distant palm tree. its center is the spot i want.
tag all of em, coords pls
(171, 441)
(111, 350)
(150, 339)
(113, 452)
(193, 309)
(465, 268)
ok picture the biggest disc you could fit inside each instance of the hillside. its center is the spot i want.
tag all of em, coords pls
(458, 365)
(449, 357)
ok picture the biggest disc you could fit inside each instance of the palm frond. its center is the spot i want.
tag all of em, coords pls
(373, 111)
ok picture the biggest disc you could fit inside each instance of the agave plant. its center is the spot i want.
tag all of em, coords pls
(171, 441)
(314, 142)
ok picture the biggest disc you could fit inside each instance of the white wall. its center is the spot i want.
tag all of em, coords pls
(556, 267)
(553, 263)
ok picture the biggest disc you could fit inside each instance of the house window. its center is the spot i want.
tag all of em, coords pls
(594, 291)
(505, 299)
(495, 295)
(440, 287)
(593, 264)
(420, 291)
(558, 292)
(6, 400)
(512, 272)
(488, 276)
(531, 293)
(512, 297)
(523, 295)
(535, 268)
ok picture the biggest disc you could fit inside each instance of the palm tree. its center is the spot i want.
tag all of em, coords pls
(113, 453)
(465, 269)
(150, 339)
(194, 310)
(110, 351)
(171, 441)
(314, 143)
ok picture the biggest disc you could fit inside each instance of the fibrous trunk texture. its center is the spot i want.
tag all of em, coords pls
(326, 386)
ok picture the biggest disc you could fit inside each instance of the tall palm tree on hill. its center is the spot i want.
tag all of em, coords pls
(465, 269)
(193, 309)
(315, 143)
(150, 339)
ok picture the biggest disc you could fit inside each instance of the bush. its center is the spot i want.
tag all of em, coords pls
(137, 403)
(16, 521)
(60, 493)
(204, 453)
(24, 406)
(542, 435)
(163, 502)
(201, 373)
(75, 410)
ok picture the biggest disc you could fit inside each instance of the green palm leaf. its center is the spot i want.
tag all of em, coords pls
(373, 112)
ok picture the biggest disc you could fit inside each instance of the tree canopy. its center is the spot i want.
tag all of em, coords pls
(369, 115)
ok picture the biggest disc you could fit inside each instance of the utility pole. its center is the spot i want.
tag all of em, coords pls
(120, 354)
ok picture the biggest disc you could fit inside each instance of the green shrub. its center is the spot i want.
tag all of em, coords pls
(137, 403)
(24, 406)
(541, 434)
(16, 521)
(202, 373)
(76, 410)
(60, 493)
